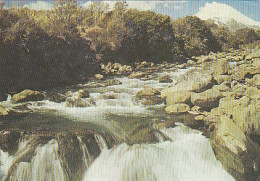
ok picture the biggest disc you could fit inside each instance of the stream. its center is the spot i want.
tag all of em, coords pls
(115, 139)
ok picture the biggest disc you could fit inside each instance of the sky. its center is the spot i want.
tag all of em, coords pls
(174, 9)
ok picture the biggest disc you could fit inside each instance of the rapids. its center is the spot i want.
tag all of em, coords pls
(114, 139)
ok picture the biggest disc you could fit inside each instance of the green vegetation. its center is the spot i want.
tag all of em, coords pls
(40, 49)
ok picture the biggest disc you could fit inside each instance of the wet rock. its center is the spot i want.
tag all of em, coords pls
(9, 141)
(76, 102)
(137, 75)
(177, 108)
(27, 95)
(55, 97)
(165, 79)
(148, 96)
(153, 100)
(206, 100)
(83, 93)
(99, 76)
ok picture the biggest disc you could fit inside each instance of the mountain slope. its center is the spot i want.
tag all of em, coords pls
(225, 15)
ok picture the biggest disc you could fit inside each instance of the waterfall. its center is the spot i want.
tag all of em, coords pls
(188, 157)
(7, 160)
(45, 165)
(101, 142)
(86, 155)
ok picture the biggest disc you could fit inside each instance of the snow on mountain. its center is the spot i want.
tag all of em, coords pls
(223, 14)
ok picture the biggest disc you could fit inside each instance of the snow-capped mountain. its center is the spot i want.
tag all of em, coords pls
(225, 15)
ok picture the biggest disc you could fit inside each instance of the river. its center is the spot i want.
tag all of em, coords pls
(117, 138)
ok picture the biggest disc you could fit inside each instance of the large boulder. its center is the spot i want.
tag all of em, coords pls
(27, 95)
(193, 81)
(208, 99)
(244, 111)
(237, 153)
(178, 97)
(179, 108)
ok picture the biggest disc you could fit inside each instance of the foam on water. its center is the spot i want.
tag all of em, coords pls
(188, 156)
(7, 160)
(45, 165)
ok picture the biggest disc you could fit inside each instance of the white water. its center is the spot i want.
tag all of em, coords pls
(188, 156)
(7, 160)
(45, 165)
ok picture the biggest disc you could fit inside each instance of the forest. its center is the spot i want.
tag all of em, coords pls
(47, 48)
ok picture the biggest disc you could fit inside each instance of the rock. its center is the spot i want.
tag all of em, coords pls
(190, 62)
(3, 111)
(244, 112)
(55, 97)
(206, 100)
(252, 92)
(99, 76)
(220, 67)
(83, 93)
(75, 102)
(193, 81)
(223, 78)
(153, 100)
(221, 88)
(137, 75)
(111, 82)
(165, 79)
(177, 108)
(147, 92)
(255, 81)
(245, 71)
(199, 118)
(181, 66)
(27, 95)
(238, 90)
(253, 56)
(117, 66)
(237, 153)
(178, 97)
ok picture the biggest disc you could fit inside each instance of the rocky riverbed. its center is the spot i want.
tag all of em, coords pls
(198, 119)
